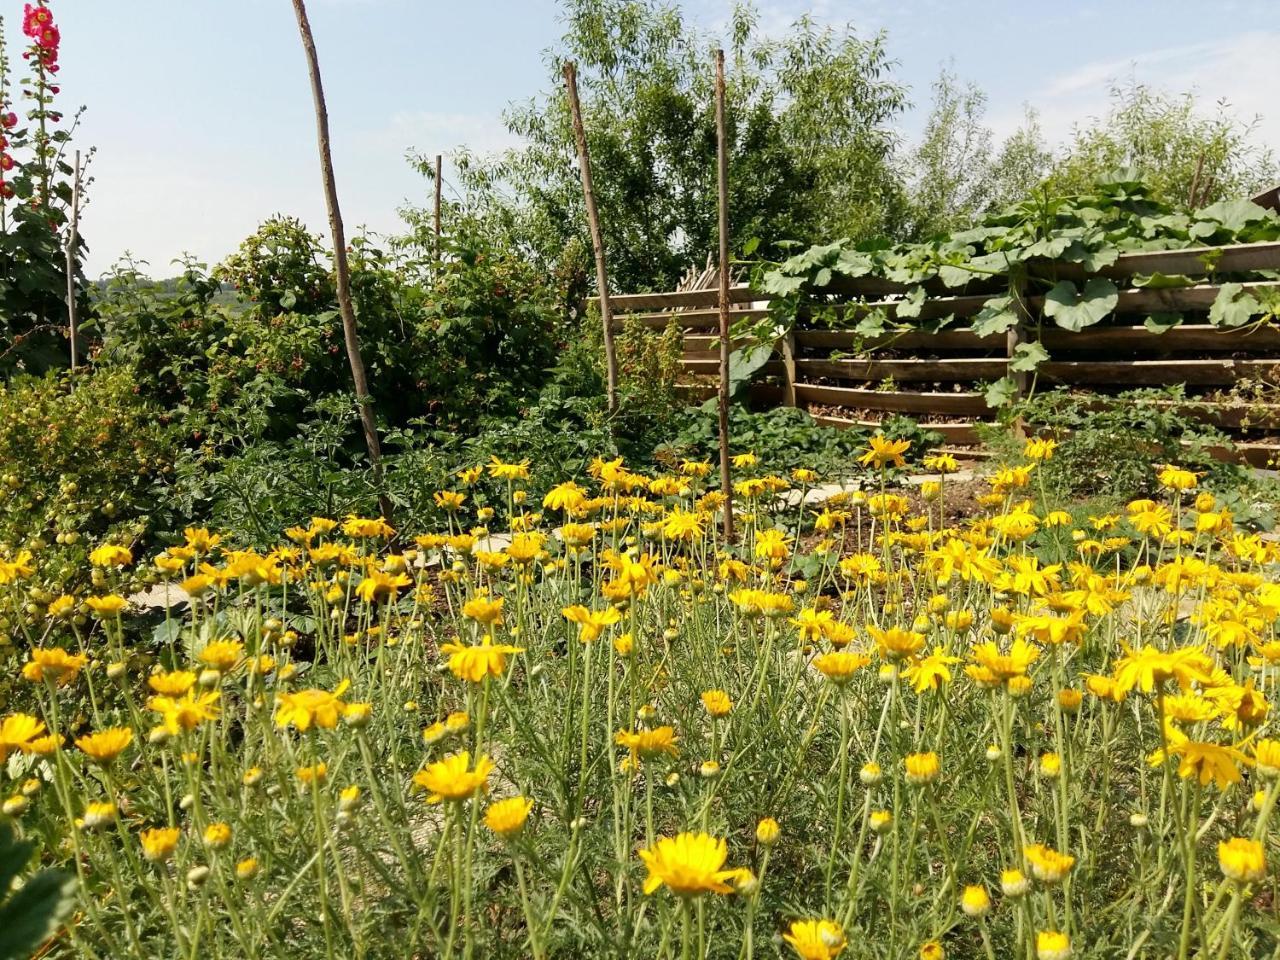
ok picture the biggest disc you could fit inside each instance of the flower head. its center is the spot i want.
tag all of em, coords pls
(507, 817)
(453, 778)
(105, 745)
(688, 864)
(816, 939)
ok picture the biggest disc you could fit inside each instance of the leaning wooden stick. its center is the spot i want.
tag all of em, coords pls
(342, 272)
(597, 241)
(722, 165)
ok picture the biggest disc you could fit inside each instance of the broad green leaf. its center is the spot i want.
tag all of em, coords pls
(909, 306)
(1027, 356)
(1162, 281)
(1160, 322)
(996, 316)
(1235, 215)
(1001, 393)
(1051, 248)
(953, 276)
(1074, 310)
(1234, 306)
(32, 913)
(874, 324)
(751, 246)
(851, 263)
(745, 362)
(822, 277)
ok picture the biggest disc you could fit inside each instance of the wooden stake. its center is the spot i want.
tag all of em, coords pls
(722, 168)
(73, 238)
(341, 268)
(437, 211)
(597, 241)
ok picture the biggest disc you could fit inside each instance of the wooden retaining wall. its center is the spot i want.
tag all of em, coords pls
(845, 379)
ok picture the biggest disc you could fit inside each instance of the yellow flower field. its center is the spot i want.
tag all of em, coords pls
(594, 728)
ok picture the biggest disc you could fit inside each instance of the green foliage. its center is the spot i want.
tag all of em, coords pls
(35, 197)
(784, 438)
(1186, 154)
(957, 173)
(1111, 446)
(33, 912)
(79, 467)
(1015, 254)
(810, 120)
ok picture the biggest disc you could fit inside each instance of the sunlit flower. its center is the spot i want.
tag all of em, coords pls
(475, 663)
(453, 778)
(507, 817)
(105, 745)
(1242, 860)
(688, 864)
(303, 708)
(816, 939)
(884, 452)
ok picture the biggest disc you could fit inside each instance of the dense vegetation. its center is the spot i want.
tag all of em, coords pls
(1075, 654)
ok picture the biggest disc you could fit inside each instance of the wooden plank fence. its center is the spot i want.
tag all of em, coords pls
(849, 380)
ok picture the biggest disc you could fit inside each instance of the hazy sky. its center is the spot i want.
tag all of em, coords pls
(201, 112)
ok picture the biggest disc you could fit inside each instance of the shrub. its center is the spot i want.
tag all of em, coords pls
(80, 466)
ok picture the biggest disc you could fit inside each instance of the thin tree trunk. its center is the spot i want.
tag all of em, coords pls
(597, 241)
(342, 271)
(722, 176)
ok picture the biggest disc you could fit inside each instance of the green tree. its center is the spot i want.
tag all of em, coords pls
(957, 173)
(810, 124)
(1172, 143)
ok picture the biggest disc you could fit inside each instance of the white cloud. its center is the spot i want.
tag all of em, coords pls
(1241, 71)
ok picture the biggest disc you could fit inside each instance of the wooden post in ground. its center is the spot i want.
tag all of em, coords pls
(1015, 336)
(73, 238)
(437, 206)
(722, 178)
(788, 346)
(342, 272)
(597, 240)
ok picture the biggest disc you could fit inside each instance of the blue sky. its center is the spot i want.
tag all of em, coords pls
(202, 118)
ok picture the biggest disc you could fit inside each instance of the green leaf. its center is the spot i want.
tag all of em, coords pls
(751, 246)
(1051, 248)
(168, 632)
(1234, 215)
(822, 277)
(1001, 393)
(33, 913)
(1027, 356)
(745, 362)
(872, 325)
(996, 316)
(289, 300)
(1073, 310)
(953, 276)
(909, 306)
(1160, 322)
(1162, 281)
(1233, 307)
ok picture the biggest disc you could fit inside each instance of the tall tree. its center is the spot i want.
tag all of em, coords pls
(341, 268)
(811, 141)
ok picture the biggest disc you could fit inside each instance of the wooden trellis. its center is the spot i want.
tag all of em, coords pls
(851, 380)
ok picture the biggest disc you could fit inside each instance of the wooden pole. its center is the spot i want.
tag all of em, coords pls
(722, 177)
(437, 210)
(597, 241)
(341, 268)
(73, 238)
